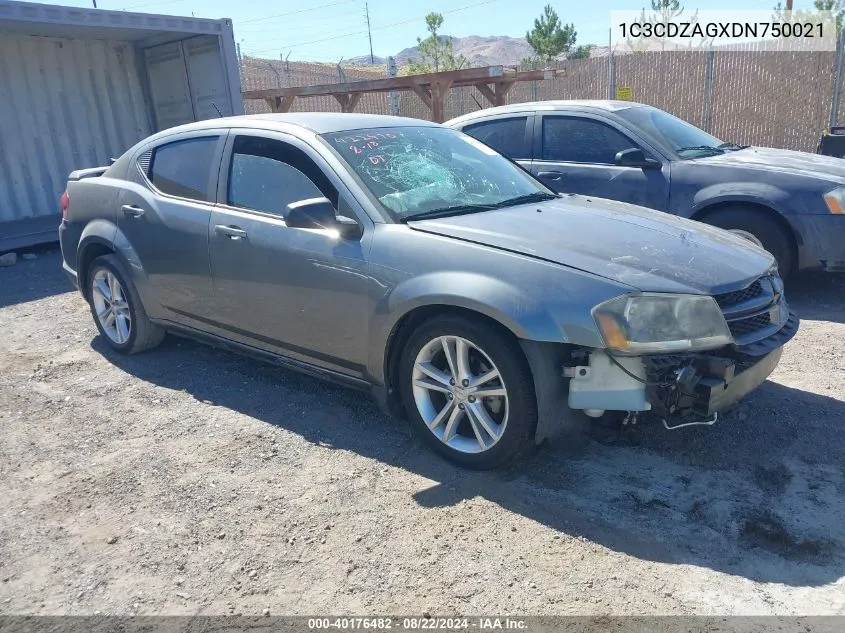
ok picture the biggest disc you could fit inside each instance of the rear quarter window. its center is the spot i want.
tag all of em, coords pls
(506, 136)
(184, 168)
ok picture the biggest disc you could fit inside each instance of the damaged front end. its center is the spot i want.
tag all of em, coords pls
(685, 387)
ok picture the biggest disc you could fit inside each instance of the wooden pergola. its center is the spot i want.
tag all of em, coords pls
(493, 82)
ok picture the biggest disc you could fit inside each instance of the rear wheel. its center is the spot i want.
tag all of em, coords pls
(468, 391)
(117, 309)
(759, 229)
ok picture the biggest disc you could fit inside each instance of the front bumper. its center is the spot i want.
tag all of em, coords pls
(698, 385)
(718, 393)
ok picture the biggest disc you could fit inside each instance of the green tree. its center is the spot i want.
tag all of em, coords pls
(834, 7)
(581, 52)
(436, 52)
(549, 38)
(665, 12)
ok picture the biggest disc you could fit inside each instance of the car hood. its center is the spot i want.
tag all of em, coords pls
(647, 250)
(784, 161)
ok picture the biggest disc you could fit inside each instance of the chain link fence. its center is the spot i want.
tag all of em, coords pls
(773, 99)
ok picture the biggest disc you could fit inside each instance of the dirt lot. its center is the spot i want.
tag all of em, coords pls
(189, 480)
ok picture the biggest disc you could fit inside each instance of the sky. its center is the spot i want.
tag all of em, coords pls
(330, 30)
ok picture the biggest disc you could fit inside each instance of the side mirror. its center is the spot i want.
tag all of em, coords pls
(319, 213)
(635, 157)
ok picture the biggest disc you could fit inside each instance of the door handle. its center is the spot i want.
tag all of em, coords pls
(551, 175)
(232, 232)
(132, 211)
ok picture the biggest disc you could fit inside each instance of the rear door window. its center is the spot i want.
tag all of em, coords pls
(184, 168)
(506, 136)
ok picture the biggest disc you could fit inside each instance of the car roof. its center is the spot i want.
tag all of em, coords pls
(606, 105)
(316, 122)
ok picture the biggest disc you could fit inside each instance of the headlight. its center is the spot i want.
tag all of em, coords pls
(661, 323)
(835, 200)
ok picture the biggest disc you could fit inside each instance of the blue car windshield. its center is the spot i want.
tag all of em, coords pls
(420, 170)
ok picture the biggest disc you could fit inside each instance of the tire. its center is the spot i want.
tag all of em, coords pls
(140, 333)
(512, 417)
(766, 230)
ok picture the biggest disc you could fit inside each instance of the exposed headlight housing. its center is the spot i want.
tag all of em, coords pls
(835, 200)
(656, 323)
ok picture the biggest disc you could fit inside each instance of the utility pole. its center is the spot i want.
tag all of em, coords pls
(394, 96)
(789, 5)
(370, 33)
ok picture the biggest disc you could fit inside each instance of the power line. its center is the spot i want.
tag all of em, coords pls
(277, 39)
(369, 31)
(279, 15)
(311, 23)
(381, 26)
(153, 4)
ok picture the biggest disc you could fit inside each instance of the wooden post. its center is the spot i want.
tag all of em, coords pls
(439, 90)
(280, 104)
(348, 101)
(484, 89)
(502, 88)
(354, 98)
(423, 93)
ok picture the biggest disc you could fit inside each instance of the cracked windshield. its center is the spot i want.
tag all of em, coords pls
(428, 171)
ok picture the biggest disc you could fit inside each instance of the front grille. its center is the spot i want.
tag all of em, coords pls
(738, 296)
(741, 327)
(749, 311)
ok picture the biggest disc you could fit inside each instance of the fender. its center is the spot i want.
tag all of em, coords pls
(489, 296)
(95, 232)
(761, 194)
(108, 234)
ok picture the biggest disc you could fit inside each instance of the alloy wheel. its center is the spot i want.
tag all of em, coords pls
(111, 307)
(460, 394)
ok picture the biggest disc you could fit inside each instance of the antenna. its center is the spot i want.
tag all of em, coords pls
(214, 105)
(369, 31)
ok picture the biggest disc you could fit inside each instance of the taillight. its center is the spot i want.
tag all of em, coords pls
(64, 202)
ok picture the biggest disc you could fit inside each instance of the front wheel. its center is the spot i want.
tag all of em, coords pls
(761, 230)
(468, 391)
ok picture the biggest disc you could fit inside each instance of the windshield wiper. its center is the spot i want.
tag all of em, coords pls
(463, 209)
(702, 148)
(539, 196)
(445, 212)
(733, 146)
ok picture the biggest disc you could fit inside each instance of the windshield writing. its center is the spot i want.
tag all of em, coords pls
(417, 169)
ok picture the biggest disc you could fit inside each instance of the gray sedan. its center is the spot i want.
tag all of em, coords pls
(410, 260)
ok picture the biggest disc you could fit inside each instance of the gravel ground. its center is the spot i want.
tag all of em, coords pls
(190, 480)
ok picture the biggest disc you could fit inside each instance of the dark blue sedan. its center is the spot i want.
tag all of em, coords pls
(790, 203)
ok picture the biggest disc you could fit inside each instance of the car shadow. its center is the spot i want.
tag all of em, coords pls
(817, 296)
(33, 279)
(760, 495)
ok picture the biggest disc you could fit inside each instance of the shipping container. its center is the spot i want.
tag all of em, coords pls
(80, 86)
